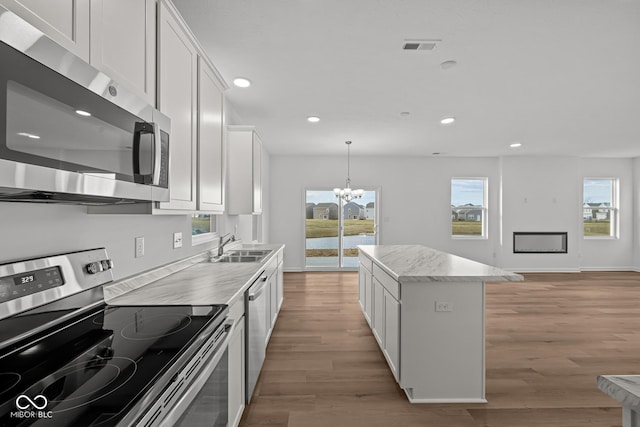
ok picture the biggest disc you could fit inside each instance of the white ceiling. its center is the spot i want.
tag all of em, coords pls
(562, 77)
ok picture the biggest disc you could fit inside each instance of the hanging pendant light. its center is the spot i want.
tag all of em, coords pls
(346, 193)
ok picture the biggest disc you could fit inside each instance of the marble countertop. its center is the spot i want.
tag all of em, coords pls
(416, 263)
(624, 388)
(191, 282)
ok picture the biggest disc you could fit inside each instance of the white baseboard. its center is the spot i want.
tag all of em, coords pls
(610, 269)
(543, 270)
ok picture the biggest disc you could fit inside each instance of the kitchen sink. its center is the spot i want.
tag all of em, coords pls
(242, 255)
(249, 252)
(242, 258)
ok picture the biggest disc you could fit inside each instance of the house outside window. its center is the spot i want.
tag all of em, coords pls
(203, 228)
(469, 208)
(600, 210)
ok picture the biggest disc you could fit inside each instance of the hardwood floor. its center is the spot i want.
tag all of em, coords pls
(547, 339)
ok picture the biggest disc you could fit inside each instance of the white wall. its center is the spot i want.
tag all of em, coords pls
(414, 201)
(608, 254)
(34, 229)
(636, 216)
(538, 194)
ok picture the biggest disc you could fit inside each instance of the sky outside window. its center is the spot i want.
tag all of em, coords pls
(465, 191)
(598, 190)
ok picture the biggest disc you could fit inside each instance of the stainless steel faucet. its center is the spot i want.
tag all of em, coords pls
(222, 243)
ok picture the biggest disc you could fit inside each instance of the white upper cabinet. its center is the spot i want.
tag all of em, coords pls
(190, 92)
(118, 37)
(245, 171)
(65, 21)
(123, 43)
(177, 98)
(211, 153)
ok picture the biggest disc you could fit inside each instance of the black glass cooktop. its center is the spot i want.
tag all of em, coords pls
(99, 366)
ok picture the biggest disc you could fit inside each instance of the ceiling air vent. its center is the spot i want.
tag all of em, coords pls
(420, 44)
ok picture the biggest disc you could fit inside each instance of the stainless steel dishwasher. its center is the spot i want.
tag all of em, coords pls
(256, 306)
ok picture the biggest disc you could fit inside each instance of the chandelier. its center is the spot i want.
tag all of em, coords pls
(346, 193)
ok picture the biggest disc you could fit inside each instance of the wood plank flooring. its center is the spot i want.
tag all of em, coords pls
(547, 339)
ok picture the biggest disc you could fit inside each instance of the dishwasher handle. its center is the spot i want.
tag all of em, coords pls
(255, 295)
(257, 289)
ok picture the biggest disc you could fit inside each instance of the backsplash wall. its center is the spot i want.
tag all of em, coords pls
(33, 229)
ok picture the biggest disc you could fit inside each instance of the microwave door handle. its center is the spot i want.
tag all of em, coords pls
(140, 129)
(157, 154)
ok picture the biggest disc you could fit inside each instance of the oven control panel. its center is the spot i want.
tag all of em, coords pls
(98, 266)
(30, 283)
(22, 284)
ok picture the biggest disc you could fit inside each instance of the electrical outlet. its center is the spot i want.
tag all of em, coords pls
(177, 240)
(444, 306)
(139, 247)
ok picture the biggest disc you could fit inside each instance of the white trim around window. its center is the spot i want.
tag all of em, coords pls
(460, 210)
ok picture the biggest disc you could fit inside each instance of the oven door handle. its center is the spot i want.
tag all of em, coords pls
(188, 395)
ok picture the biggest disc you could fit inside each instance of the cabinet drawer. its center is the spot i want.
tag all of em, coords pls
(387, 281)
(365, 262)
(271, 267)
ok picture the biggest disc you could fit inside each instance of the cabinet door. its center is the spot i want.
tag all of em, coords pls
(368, 297)
(210, 146)
(361, 286)
(236, 374)
(123, 43)
(392, 333)
(178, 74)
(257, 174)
(280, 281)
(273, 285)
(244, 171)
(378, 321)
(65, 21)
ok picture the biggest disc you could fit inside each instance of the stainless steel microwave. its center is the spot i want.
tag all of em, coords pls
(68, 133)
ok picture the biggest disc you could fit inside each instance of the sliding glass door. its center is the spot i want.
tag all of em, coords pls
(334, 228)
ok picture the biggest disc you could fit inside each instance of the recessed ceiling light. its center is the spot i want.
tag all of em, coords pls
(28, 135)
(448, 120)
(448, 64)
(515, 145)
(83, 113)
(241, 82)
(313, 119)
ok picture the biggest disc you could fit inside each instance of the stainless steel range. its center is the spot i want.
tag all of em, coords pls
(69, 359)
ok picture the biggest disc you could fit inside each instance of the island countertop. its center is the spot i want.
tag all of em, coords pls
(416, 263)
(624, 388)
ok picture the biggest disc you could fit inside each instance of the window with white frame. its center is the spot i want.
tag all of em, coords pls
(203, 228)
(600, 207)
(469, 207)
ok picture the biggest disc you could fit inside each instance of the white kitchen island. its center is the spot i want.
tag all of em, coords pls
(426, 310)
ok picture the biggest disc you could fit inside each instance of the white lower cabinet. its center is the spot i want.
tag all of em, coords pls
(236, 373)
(382, 311)
(378, 321)
(392, 333)
(280, 284)
(365, 290)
